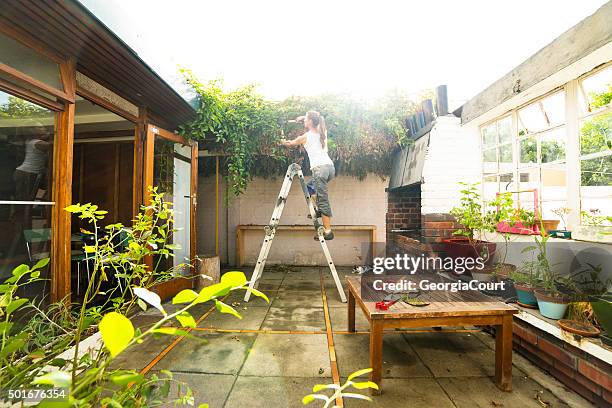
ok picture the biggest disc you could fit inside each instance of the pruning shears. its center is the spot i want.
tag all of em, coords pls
(387, 302)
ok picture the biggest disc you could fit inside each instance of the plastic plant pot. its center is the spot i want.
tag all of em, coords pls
(602, 307)
(560, 234)
(525, 295)
(552, 307)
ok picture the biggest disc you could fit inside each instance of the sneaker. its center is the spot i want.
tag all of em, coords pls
(328, 236)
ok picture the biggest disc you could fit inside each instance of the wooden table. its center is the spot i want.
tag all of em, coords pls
(456, 309)
(240, 229)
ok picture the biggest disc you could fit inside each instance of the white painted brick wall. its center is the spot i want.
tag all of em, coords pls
(354, 202)
(452, 157)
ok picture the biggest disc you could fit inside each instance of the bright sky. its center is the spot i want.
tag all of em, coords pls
(362, 47)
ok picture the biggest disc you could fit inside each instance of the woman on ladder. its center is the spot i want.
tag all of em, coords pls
(322, 167)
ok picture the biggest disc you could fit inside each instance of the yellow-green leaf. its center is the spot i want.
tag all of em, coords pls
(209, 292)
(117, 332)
(185, 296)
(365, 384)
(186, 319)
(89, 248)
(308, 399)
(257, 293)
(359, 373)
(59, 379)
(225, 308)
(234, 278)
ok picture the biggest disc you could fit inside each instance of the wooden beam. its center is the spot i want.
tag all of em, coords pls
(30, 96)
(193, 201)
(168, 135)
(20, 76)
(105, 104)
(62, 195)
(140, 137)
(217, 205)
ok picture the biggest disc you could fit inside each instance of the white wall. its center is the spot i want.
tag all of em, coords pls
(354, 202)
(453, 156)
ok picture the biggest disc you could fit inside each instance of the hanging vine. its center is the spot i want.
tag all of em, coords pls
(246, 128)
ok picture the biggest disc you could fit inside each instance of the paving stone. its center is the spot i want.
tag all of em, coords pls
(279, 391)
(294, 298)
(399, 359)
(453, 354)
(220, 353)
(252, 318)
(412, 392)
(139, 355)
(339, 319)
(308, 273)
(211, 389)
(288, 355)
(295, 319)
(301, 285)
(237, 296)
(482, 392)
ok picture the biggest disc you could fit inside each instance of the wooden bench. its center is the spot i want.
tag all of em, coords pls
(451, 309)
(240, 230)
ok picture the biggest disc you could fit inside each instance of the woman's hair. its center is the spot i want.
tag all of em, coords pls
(319, 122)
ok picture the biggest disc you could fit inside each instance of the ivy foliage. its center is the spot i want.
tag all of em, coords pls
(246, 129)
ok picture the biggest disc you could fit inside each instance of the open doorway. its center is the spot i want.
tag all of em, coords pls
(103, 174)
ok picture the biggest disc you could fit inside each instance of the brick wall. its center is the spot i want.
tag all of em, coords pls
(403, 210)
(579, 371)
(437, 227)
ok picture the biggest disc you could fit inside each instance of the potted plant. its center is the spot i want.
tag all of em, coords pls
(595, 227)
(602, 309)
(561, 212)
(473, 219)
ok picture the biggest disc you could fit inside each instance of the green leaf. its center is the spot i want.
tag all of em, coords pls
(172, 331)
(15, 304)
(203, 406)
(89, 249)
(359, 373)
(364, 385)
(256, 293)
(41, 263)
(13, 345)
(234, 279)
(20, 270)
(185, 296)
(59, 379)
(117, 332)
(74, 208)
(216, 290)
(141, 303)
(5, 327)
(225, 308)
(123, 378)
(186, 319)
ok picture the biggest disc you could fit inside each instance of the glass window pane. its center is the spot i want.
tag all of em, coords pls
(27, 133)
(554, 190)
(489, 160)
(490, 187)
(26, 60)
(529, 151)
(505, 158)
(553, 145)
(596, 134)
(596, 172)
(596, 91)
(507, 182)
(489, 136)
(542, 114)
(504, 130)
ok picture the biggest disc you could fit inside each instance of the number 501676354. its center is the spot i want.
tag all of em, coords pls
(35, 394)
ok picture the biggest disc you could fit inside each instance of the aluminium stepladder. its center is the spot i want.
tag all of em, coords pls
(270, 230)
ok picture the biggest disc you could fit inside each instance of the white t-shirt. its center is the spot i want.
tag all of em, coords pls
(317, 155)
(35, 160)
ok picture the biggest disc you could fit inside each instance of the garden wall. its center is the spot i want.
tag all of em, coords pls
(354, 202)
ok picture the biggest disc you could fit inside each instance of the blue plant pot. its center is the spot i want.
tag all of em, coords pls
(551, 307)
(525, 295)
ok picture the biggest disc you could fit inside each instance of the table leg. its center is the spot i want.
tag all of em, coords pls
(351, 312)
(376, 345)
(503, 354)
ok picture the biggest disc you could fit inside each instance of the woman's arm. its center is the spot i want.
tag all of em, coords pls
(298, 141)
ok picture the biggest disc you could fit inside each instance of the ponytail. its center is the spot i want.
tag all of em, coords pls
(322, 131)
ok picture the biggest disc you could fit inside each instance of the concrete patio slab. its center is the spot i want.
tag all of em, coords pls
(271, 391)
(294, 298)
(301, 285)
(449, 354)
(413, 393)
(139, 355)
(237, 296)
(482, 392)
(399, 359)
(305, 273)
(288, 355)
(252, 318)
(221, 353)
(212, 389)
(295, 319)
(339, 319)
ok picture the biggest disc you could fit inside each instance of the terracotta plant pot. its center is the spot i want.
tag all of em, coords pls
(551, 306)
(463, 248)
(525, 294)
(548, 225)
(576, 327)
